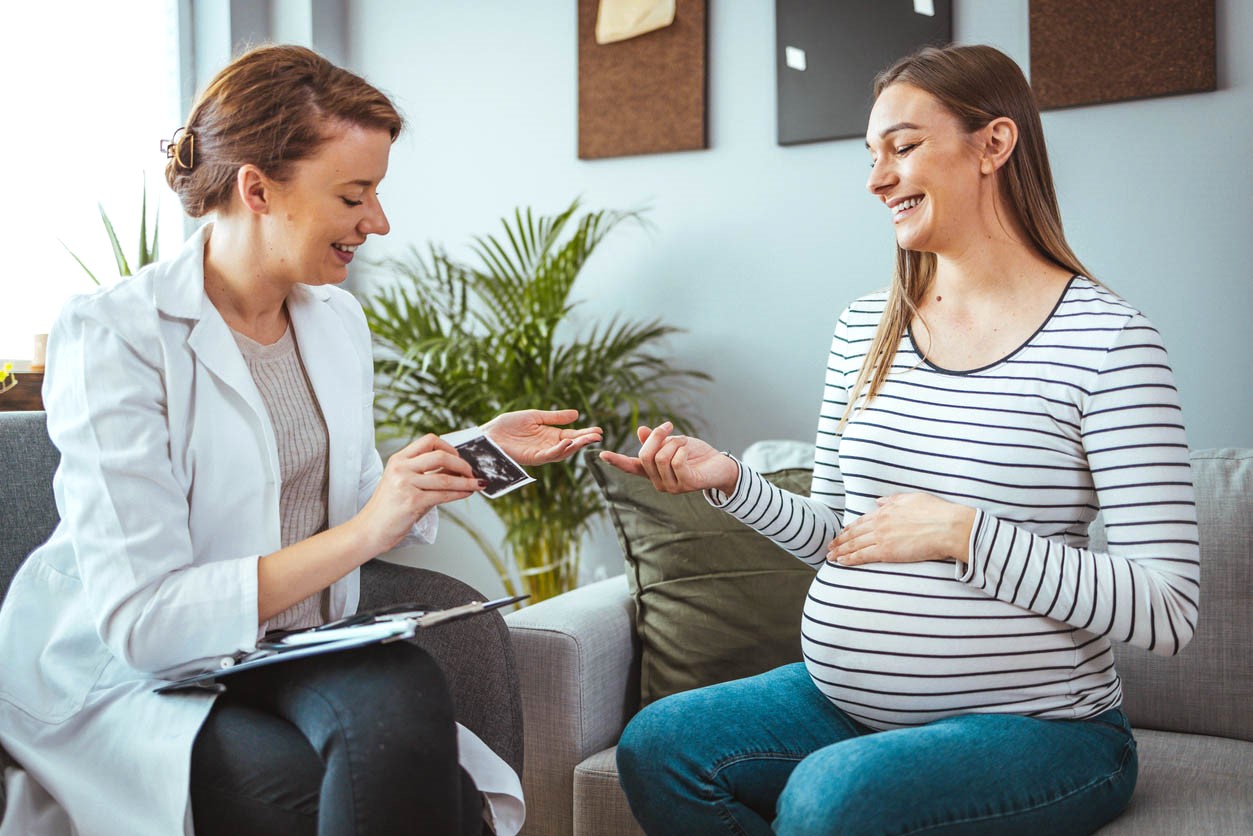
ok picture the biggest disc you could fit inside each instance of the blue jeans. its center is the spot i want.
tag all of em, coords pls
(771, 751)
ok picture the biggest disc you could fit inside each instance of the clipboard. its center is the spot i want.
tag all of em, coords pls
(376, 626)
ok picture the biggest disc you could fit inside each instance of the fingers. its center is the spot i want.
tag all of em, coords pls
(442, 481)
(651, 447)
(544, 417)
(440, 461)
(850, 550)
(858, 554)
(584, 432)
(426, 444)
(665, 459)
(850, 547)
(412, 482)
(627, 464)
(430, 463)
(567, 447)
(554, 417)
(668, 462)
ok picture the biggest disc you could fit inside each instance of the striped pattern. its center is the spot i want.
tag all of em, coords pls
(303, 444)
(1084, 416)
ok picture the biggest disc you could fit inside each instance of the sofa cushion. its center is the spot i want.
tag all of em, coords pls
(714, 600)
(1187, 784)
(1208, 687)
(600, 806)
(28, 512)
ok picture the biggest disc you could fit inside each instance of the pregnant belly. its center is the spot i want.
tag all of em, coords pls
(904, 644)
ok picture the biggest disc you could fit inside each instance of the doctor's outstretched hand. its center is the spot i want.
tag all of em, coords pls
(535, 436)
(677, 463)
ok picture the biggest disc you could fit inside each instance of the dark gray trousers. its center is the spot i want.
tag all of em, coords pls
(356, 742)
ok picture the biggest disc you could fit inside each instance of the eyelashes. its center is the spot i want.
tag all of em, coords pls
(352, 203)
(900, 151)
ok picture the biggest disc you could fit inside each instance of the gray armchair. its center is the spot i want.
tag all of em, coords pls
(579, 659)
(476, 654)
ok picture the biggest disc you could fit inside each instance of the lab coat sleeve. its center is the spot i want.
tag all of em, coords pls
(127, 516)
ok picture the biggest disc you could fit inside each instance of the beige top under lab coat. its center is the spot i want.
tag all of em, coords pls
(168, 492)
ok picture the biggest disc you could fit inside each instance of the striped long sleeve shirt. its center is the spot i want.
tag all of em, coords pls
(1082, 417)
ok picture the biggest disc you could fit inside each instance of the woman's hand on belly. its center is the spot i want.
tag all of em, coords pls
(905, 528)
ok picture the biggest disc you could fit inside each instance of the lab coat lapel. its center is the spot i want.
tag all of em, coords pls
(335, 373)
(180, 293)
(215, 349)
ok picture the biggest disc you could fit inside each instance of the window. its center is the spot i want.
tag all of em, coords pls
(91, 89)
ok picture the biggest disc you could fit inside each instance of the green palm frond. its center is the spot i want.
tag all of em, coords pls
(458, 342)
(149, 248)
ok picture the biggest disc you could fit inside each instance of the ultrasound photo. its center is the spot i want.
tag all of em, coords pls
(489, 463)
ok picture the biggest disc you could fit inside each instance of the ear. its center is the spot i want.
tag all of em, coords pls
(255, 190)
(1000, 137)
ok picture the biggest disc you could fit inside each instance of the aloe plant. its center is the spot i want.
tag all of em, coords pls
(149, 249)
(459, 342)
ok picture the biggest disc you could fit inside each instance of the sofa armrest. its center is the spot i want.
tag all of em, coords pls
(578, 662)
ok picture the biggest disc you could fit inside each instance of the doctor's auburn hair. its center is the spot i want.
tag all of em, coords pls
(272, 106)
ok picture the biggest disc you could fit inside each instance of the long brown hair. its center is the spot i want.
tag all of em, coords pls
(272, 107)
(976, 84)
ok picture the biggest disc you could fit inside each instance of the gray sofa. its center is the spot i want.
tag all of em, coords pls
(579, 659)
(476, 653)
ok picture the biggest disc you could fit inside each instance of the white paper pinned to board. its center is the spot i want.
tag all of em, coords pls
(618, 20)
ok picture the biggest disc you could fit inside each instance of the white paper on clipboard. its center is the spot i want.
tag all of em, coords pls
(359, 630)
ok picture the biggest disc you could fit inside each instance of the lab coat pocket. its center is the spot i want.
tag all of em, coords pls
(52, 656)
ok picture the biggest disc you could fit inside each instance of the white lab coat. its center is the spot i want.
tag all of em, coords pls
(168, 492)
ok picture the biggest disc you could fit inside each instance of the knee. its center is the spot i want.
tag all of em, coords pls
(651, 739)
(829, 794)
(398, 689)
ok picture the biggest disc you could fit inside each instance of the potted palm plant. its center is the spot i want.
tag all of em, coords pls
(458, 342)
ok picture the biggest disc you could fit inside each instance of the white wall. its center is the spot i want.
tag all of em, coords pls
(758, 247)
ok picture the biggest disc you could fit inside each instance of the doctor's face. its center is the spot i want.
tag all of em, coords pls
(329, 207)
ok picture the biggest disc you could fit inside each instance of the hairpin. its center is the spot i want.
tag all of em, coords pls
(173, 148)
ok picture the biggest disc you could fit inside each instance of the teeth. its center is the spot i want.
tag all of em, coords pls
(906, 204)
(345, 247)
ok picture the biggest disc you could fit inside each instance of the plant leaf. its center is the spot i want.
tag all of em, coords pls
(123, 268)
(86, 270)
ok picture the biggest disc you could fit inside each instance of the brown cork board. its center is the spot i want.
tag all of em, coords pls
(1085, 52)
(644, 95)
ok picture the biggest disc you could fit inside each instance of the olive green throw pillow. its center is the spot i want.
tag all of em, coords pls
(714, 600)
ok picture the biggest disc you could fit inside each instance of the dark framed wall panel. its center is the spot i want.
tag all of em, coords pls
(1086, 53)
(644, 95)
(844, 44)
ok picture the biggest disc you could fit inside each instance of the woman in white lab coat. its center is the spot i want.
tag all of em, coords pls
(200, 407)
